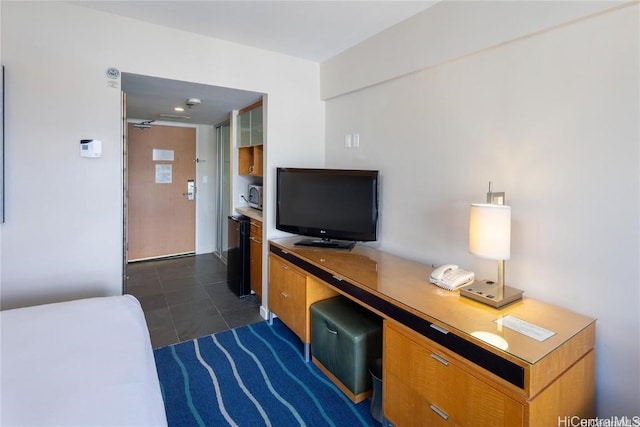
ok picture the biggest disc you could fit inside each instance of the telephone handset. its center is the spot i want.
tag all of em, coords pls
(451, 277)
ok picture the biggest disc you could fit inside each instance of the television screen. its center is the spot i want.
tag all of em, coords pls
(328, 204)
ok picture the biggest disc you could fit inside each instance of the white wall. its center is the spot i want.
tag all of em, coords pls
(63, 236)
(206, 189)
(206, 180)
(551, 119)
(448, 30)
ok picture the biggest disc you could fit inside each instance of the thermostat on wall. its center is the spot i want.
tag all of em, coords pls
(90, 148)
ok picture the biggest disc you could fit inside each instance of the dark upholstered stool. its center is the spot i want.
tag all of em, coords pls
(345, 340)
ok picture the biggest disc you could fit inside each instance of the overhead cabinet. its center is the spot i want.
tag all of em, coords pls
(250, 126)
(250, 140)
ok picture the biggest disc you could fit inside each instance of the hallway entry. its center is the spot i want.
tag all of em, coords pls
(161, 174)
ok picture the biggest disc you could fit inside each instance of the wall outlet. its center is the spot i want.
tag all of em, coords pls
(242, 198)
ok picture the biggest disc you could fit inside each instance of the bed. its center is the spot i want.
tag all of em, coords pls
(86, 363)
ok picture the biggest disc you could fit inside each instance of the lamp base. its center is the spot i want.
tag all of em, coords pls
(487, 292)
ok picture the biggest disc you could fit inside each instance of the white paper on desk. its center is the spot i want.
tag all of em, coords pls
(536, 332)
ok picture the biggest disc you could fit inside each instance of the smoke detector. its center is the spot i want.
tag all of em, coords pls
(191, 102)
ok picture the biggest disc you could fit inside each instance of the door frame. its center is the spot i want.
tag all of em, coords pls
(150, 240)
(125, 181)
(220, 241)
(125, 190)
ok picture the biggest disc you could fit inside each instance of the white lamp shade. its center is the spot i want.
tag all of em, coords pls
(490, 231)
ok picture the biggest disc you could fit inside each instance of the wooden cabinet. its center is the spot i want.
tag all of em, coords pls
(447, 360)
(287, 288)
(255, 257)
(426, 385)
(250, 160)
(250, 140)
(291, 293)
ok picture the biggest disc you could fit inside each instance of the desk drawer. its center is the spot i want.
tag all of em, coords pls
(256, 229)
(418, 374)
(404, 407)
(287, 294)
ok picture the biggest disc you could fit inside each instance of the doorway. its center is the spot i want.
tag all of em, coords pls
(151, 101)
(162, 172)
(184, 294)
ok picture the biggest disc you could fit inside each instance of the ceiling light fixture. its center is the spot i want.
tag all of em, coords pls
(192, 102)
(174, 116)
(178, 109)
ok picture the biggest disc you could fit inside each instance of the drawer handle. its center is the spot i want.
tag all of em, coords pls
(439, 329)
(337, 278)
(439, 411)
(285, 267)
(440, 359)
(284, 294)
(332, 331)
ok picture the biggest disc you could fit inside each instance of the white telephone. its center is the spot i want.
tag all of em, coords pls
(451, 277)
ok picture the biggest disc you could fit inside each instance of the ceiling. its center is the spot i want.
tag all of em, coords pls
(152, 98)
(312, 30)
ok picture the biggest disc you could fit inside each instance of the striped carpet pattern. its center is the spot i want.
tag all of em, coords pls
(251, 376)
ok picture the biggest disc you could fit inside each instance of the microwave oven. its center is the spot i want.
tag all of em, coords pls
(255, 196)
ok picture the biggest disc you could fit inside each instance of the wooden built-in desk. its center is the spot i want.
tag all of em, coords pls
(440, 363)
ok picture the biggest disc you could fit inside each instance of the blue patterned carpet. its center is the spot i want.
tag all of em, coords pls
(251, 376)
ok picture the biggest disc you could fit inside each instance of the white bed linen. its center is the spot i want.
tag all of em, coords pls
(84, 363)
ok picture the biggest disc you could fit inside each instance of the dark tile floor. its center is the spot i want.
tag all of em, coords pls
(188, 297)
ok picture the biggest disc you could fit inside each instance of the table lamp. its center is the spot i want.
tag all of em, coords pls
(490, 237)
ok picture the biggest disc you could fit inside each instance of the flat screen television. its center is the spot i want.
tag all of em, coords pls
(336, 207)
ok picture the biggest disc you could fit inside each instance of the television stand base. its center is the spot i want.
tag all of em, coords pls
(326, 243)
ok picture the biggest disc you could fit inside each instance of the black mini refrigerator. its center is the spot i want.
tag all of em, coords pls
(238, 255)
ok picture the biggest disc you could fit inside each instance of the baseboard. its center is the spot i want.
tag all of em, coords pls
(264, 313)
